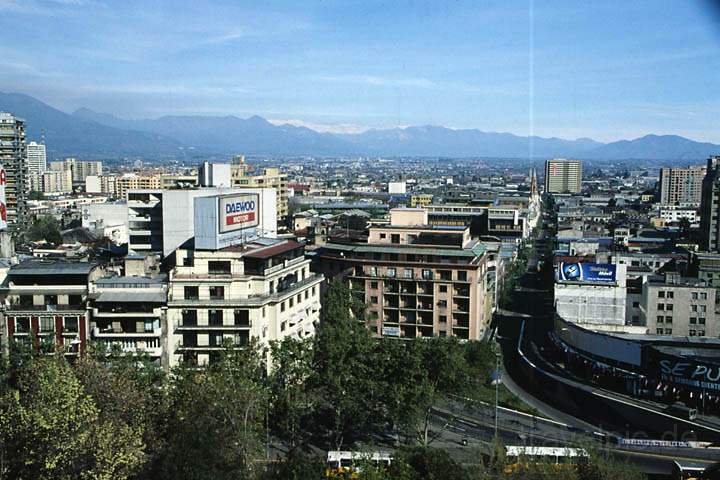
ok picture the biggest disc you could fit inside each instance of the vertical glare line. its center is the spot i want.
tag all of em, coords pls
(531, 90)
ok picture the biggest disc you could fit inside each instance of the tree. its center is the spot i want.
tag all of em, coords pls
(216, 428)
(45, 228)
(348, 394)
(50, 428)
(291, 401)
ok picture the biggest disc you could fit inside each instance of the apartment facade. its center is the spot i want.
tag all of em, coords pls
(128, 314)
(13, 158)
(710, 207)
(263, 289)
(80, 169)
(679, 306)
(48, 299)
(244, 176)
(37, 160)
(51, 181)
(563, 176)
(132, 181)
(682, 185)
(418, 280)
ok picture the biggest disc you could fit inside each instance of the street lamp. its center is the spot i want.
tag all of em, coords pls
(496, 380)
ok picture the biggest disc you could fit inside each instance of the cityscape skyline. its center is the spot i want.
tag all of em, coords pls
(549, 70)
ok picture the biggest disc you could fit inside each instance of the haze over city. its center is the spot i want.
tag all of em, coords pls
(604, 70)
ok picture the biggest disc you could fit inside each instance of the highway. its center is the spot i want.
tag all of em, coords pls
(587, 409)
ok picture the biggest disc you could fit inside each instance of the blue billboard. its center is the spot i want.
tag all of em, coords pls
(587, 272)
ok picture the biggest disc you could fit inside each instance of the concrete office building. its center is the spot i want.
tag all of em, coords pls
(679, 306)
(592, 295)
(13, 158)
(710, 207)
(244, 176)
(37, 161)
(214, 175)
(563, 176)
(160, 221)
(418, 280)
(105, 184)
(681, 185)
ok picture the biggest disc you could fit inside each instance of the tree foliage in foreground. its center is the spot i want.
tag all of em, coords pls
(114, 416)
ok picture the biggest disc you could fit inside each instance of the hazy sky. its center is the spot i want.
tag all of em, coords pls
(602, 69)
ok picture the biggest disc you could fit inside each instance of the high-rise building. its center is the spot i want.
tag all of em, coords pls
(563, 176)
(13, 157)
(243, 176)
(681, 185)
(709, 206)
(37, 162)
(80, 169)
(51, 181)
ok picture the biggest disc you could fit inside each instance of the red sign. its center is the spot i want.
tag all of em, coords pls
(239, 218)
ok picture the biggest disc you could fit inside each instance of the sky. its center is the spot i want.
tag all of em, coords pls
(606, 70)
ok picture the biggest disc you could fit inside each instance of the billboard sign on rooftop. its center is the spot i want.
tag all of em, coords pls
(238, 212)
(587, 272)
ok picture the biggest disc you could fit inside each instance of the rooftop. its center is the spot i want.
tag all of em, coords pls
(52, 267)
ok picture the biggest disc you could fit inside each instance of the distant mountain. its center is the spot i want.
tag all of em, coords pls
(656, 147)
(441, 141)
(66, 135)
(228, 134)
(90, 133)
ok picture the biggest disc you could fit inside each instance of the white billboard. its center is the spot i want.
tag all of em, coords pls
(238, 212)
(3, 199)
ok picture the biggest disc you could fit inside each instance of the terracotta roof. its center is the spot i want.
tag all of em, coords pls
(273, 250)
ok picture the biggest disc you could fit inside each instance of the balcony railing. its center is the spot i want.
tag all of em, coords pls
(17, 307)
(112, 333)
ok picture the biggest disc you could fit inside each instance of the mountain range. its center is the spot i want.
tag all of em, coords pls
(86, 133)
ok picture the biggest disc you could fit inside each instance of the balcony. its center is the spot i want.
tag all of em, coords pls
(152, 346)
(122, 314)
(111, 333)
(16, 289)
(15, 308)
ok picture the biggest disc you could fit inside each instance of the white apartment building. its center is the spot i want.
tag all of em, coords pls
(37, 160)
(262, 289)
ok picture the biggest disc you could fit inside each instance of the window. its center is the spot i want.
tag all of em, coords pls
(408, 273)
(188, 261)
(670, 294)
(669, 307)
(74, 300)
(217, 293)
(242, 318)
(691, 333)
(26, 300)
(215, 317)
(442, 303)
(71, 324)
(373, 271)
(395, 238)
(661, 306)
(443, 288)
(443, 318)
(668, 319)
(701, 333)
(693, 320)
(374, 300)
(668, 331)
(661, 294)
(216, 339)
(47, 324)
(191, 293)
(427, 274)
(703, 308)
(703, 295)
(694, 295)
(383, 236)
(22, 325)
(307, 294)
(299, 298)
(462, 276)
(391, 272)
(282, 306)
(659, 331)
(693, 308)
(283, 326)
(660, 319)
(373, 285)
(636, 304)
(292, 302)
(189, 318)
